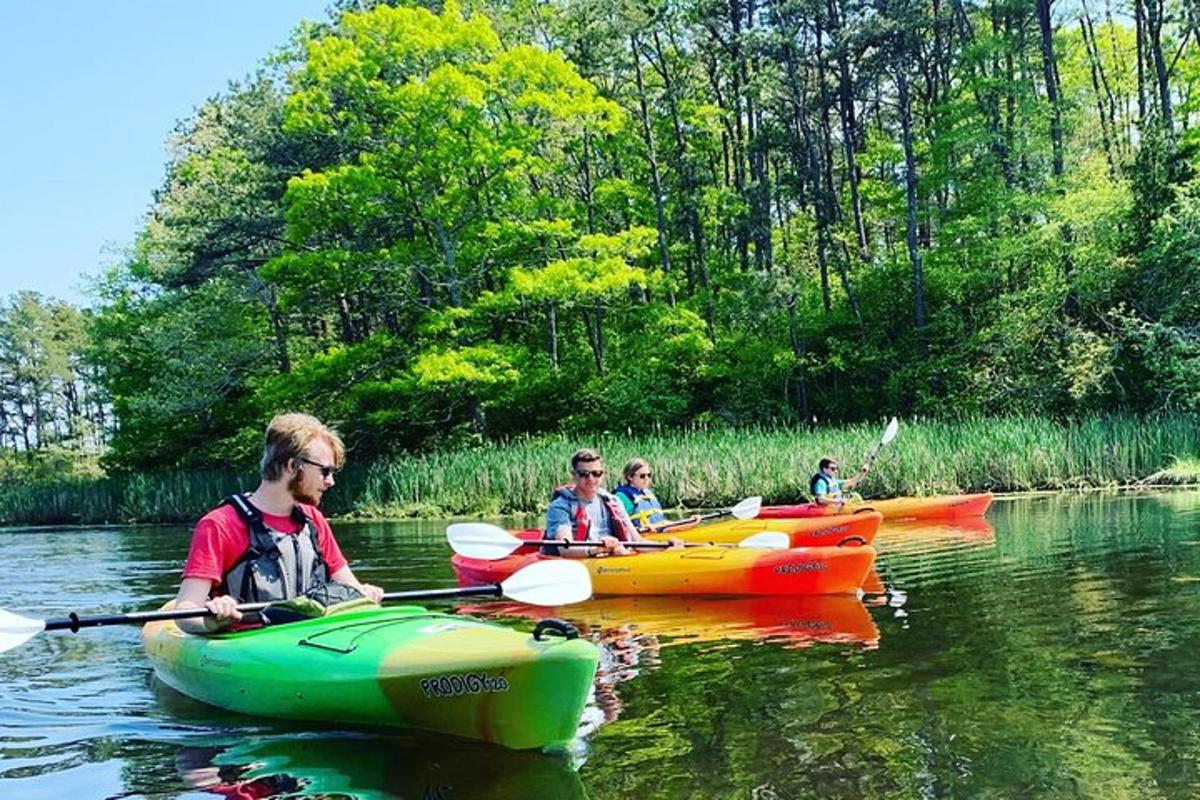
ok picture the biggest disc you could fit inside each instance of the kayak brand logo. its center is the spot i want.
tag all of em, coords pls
(807, 566)
(459, 685)
(830, 530)
(610, 570)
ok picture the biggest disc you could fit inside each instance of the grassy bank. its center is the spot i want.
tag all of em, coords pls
(698, 468)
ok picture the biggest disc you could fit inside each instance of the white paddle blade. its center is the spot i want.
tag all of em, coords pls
(16, 630)
(549, 583)
(747, 509)
(767, 540)
(892, 429)
(481, 540)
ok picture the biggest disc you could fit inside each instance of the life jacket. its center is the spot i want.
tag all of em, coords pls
(833, 484)
(276, 565)
(647, 512)
(619, 527)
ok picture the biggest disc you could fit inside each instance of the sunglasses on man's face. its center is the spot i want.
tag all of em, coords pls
(325, 469)
(593, 473)
(834, 468)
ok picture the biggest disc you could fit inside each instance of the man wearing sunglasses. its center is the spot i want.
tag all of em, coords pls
(584, 512)
(273, 543)
(827, 488)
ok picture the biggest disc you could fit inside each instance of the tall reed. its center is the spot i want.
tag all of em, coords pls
(693, 468)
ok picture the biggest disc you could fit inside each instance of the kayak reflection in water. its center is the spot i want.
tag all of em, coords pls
(639, 502)
(827, 489)
(273, 544)
(197, 770)
(624, 653)
(585, 512)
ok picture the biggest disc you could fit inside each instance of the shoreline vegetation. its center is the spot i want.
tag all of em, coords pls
(697, 468)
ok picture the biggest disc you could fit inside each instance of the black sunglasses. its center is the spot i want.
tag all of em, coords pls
(645, 475)
(595, 473)
(325, 470)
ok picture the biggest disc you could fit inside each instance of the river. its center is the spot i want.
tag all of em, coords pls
(1047, 651)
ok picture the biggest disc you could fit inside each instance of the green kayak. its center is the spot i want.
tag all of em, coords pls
(401, 667)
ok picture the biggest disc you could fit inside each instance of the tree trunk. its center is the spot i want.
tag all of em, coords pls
(1107, 130)
(1154, 23)
(552, 333)
(1050, 75)
(593, 322)
(910, 195)
(687, 178)
(849, 127)
(652, 157)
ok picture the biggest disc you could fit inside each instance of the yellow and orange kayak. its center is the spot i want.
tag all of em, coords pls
(950, 506)
(701, 570)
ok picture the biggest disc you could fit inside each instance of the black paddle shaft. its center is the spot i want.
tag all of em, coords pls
(73, 622)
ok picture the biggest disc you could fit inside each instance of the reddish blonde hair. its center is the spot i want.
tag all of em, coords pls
(289, 436)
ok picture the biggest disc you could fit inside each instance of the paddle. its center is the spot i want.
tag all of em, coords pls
(889, 433)
(746, 509)
(546, 583)
(490, 543)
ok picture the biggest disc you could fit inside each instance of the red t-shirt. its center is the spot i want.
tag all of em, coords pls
(222, 537)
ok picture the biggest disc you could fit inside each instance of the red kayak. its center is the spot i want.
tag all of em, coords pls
(950, 506)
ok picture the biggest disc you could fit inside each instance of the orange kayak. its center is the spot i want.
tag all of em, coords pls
(701, 570)
(822, 531)
(790, 621)
(950, 506)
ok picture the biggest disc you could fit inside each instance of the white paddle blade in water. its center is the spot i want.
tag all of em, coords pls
(767, 540)
(481, 540)
(15, 630)
(747, 509)
(549, 583)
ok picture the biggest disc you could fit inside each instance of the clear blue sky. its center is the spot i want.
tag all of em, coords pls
(89, 93)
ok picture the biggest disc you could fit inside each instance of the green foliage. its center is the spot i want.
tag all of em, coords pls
(448, 225)
(708, 466)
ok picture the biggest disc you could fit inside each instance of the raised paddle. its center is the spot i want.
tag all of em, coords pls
(889, 433)
(546, 583)
(746, 509)
(490, 543)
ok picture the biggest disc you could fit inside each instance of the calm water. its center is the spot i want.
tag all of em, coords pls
(1051, 651)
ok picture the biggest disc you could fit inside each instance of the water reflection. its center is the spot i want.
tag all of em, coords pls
(793, 621)
(365, 767)
(1052, 656)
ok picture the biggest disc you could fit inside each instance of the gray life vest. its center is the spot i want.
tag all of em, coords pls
(276, 565)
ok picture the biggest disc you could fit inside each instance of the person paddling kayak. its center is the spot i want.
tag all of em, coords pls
(827, 489)
(639, 501)
(584, 511)
(272, 543)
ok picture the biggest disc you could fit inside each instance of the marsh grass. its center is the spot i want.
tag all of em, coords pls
(693, 468)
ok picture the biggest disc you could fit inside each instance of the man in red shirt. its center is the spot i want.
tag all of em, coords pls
(273, 543)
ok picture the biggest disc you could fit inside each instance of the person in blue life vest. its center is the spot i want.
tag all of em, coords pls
(584, 511)
(827, 488)
(639, 501)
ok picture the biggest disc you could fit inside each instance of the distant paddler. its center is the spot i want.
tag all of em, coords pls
(828, 489)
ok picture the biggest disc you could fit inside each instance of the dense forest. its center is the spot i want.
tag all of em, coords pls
(446, 225)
